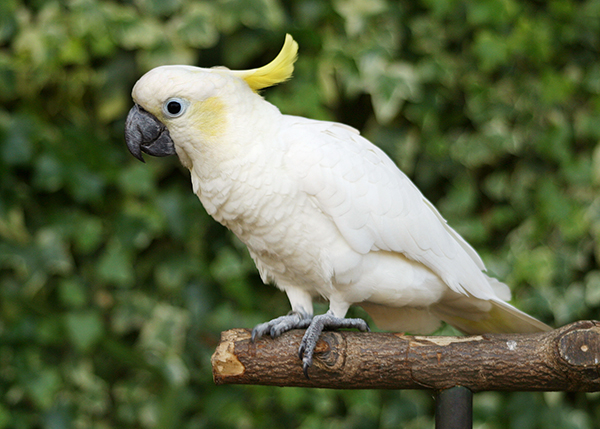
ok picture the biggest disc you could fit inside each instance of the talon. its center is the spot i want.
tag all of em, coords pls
(255, 334)
(301, 352)
(305, 369)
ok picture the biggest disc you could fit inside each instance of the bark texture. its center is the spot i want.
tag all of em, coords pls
(565, 359)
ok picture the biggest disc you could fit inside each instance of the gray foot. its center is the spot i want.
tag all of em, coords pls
(276, 327)
(316, 326)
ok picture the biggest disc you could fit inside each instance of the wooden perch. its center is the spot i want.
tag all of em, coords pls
(565, 359)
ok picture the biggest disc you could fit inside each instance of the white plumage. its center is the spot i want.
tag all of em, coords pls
(322, 211)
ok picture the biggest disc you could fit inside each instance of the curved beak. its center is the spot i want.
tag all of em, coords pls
(145, 133)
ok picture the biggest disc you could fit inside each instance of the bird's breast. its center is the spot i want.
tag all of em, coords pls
(287, 235)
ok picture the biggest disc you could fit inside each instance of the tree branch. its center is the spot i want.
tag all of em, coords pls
(565, 359)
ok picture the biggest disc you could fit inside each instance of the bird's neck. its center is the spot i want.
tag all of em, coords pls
(226, 168)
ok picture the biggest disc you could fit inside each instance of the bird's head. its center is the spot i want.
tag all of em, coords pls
(174, 103)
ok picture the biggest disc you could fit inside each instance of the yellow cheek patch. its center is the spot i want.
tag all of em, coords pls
(208, 117)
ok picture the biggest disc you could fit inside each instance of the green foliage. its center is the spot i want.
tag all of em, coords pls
(115, 284)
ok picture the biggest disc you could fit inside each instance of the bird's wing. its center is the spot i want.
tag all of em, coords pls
(375, 206)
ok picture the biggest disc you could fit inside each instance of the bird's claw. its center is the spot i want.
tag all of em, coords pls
(313, 332)
(279, 325)
(314, 326)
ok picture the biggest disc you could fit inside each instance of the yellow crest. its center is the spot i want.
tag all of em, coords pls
(277, 71)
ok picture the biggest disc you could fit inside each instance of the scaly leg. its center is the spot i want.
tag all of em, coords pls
(298, 318)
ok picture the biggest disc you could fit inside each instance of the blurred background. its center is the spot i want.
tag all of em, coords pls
(114, 282)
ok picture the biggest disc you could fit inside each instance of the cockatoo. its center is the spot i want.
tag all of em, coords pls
(323, 211)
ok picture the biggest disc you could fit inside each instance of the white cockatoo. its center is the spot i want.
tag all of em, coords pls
(322, 210)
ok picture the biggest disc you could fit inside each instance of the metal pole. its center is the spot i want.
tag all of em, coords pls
(454, 408)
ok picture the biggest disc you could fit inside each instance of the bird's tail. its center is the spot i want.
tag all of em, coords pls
(500, 317)
(468, 314)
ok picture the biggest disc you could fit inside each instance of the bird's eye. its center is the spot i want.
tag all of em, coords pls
(174, 107)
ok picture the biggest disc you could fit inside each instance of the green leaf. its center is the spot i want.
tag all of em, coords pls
(137, 179)
(17, 147)
(88, 233)
(84, 328)
(390, 85)
(230, 269)
(72, 293)
(164, 332)
(491, 49)
(5, 417)
(49, 174)
(44, 386)
(115, 265)
(53, 251)
(197, 25)
(172, 274)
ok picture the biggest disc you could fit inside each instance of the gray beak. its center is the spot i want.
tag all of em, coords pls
(145, 133)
